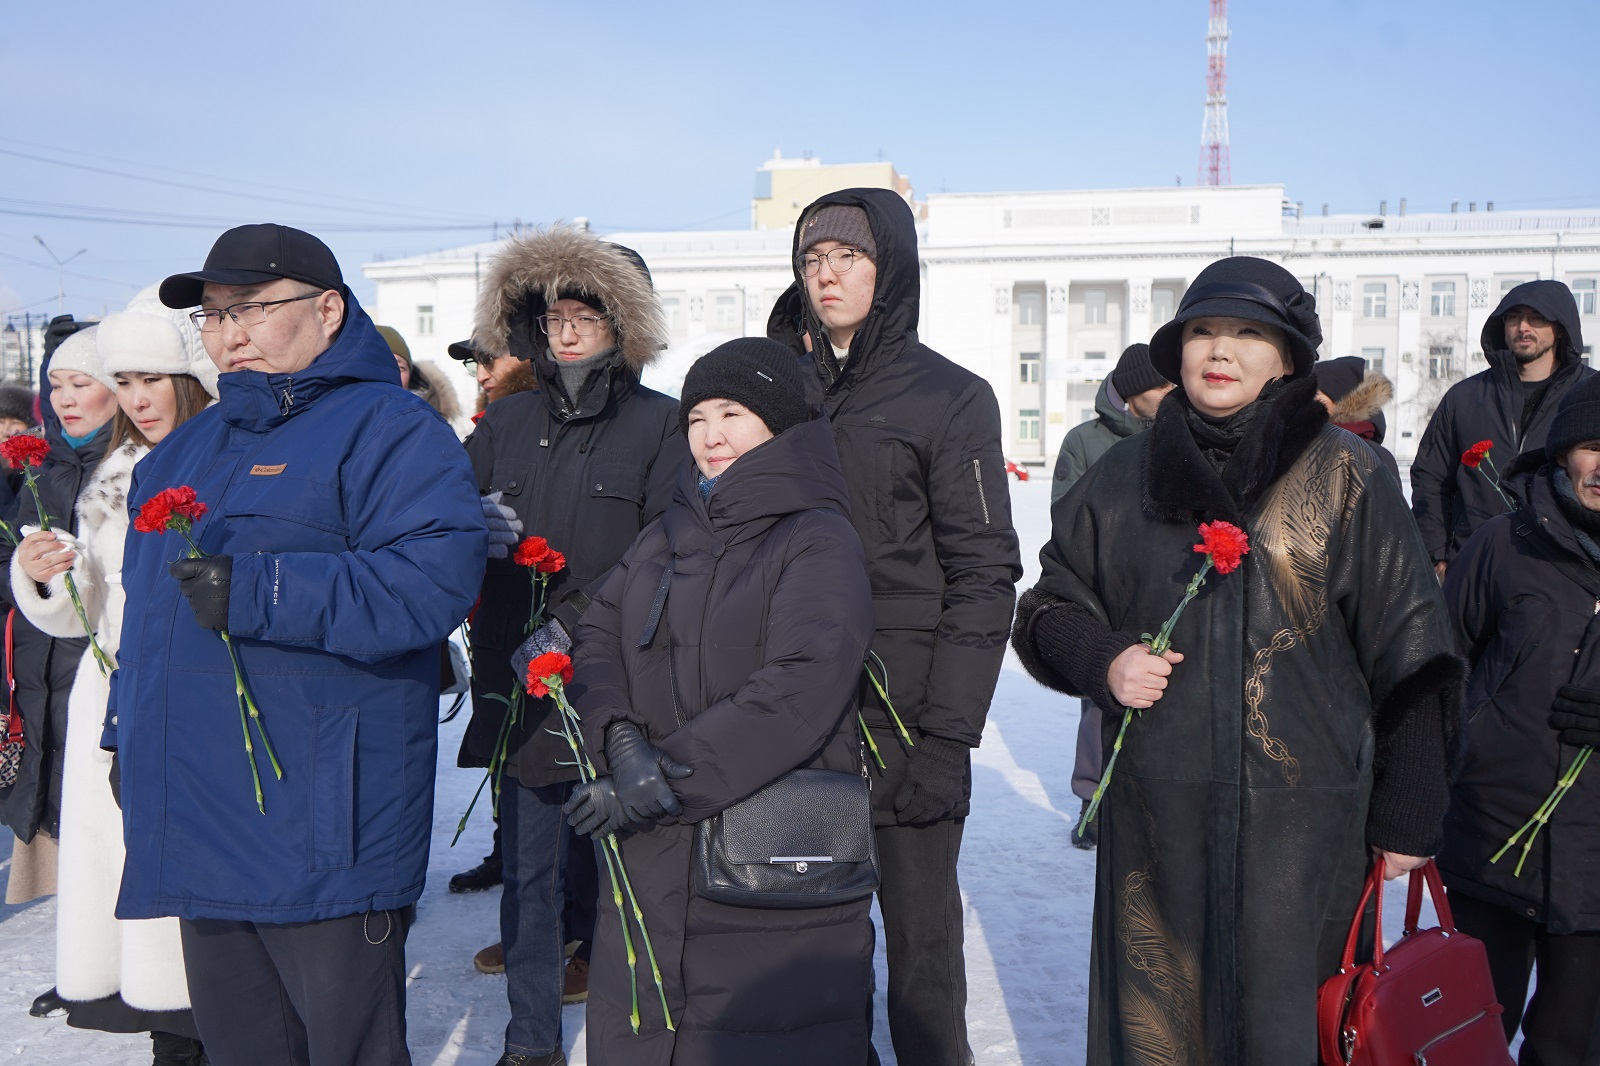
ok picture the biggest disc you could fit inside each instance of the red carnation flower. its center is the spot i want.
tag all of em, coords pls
(24, 450)
(531, 551)
(547, 667)
(175, 508)
(1476, 454)
(478, 417)
(1225, 543)
(552, 562)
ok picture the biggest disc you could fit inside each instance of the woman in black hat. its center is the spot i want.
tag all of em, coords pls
(1300, 724)
(718, 655)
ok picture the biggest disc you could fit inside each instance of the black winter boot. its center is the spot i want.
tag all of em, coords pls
(47, 1004)
(173, 1050)
(484, 875)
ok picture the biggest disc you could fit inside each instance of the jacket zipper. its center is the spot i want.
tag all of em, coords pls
(977, 472)
(1422, 1052)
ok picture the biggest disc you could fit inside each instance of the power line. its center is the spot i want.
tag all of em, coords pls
(329, 199)
(132, 217)
(69, 273)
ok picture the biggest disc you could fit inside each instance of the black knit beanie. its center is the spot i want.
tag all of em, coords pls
(16, 402)
(844, 223)
(1577, 419)
(1134, 374)
(1243, 286)
(1337, 377)
(759, 373)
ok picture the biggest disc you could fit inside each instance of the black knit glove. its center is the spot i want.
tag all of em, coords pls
(594, 809)
(935, 783)
(639, 772)
(1577, 716)
(205, 582)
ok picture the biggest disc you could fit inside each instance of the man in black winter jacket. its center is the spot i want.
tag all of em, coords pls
(585, 461)
(1522, 597)
(919, 439)
(1534, 346)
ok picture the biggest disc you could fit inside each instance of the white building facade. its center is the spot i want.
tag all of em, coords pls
(1040, 292)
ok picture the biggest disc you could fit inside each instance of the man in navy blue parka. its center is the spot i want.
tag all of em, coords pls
(343, 541)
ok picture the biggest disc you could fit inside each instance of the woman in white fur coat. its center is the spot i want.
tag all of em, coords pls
(119, 976)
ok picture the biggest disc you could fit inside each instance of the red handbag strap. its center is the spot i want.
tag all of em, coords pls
(1373, 890)
(1427, 873)
(14, 731)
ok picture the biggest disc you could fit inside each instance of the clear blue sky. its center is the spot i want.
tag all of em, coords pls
(655, 115)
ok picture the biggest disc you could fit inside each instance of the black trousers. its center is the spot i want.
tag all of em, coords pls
(329, 993)
(922, 933)
(1561, 1025)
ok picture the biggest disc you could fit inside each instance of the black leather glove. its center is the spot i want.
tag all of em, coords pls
(935, 783)
(594, 809)
(1577, 716)
(552, 636)
(639, 773)
(116, 780)
(504, 525)
(205, 582)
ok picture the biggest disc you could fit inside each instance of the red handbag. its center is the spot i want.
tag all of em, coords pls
(1427, 1001)
(11, 742)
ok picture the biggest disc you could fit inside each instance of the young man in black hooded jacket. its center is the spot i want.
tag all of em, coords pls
(1534, 346)
(919, 438)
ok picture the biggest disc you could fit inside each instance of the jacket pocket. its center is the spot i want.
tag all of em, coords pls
(288, 499)
(619, 481)
(918, 609)
(985, 475)
(510, 476)
(332, 792)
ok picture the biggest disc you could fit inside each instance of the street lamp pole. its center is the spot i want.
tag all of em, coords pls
(61, 265)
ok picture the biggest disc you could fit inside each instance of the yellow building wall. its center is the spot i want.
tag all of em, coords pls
(795, 187)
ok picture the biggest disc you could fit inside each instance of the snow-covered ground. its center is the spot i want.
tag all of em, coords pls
(1028, 897)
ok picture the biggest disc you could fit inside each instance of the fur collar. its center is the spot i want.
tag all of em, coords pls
(1180, 486)
(1365, 400)
(105, 498)
(531, 272)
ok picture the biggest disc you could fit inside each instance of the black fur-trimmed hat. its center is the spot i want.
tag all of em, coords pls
(759, 373)
(1243, 286)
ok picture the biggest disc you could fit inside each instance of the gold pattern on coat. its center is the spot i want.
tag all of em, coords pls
(1255, 719)
(1161, 1015)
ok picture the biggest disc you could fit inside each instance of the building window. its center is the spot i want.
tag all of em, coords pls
(1444, 299)
(672, 308)
(726, 313)
(1163, 304)
(1373, 357)
(425, 319)
(1583, 292)
(1094, 355)
(1441, 360)
(1032, 368)
(1375, 300)
(1030, 308)
(1094, 307)
(1028, 427)
(1507, 284)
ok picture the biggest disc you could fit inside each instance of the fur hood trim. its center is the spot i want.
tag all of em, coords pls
(1365, 400)
(531, 273)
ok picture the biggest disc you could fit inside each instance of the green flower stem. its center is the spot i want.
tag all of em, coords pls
(1495, 481)
(1541, 817)
(872, 744)
(248, 710)
(614, 866)
(1156, 645)
(883, 694)
(101, 659)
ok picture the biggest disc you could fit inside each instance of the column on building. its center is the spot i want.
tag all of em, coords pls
(1057, 357)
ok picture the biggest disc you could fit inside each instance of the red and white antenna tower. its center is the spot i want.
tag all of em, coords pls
(1214, 169)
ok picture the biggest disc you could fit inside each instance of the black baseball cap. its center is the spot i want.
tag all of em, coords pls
(464, 351)
(252, 255)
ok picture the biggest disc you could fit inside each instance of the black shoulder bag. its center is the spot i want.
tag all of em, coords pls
(804, 840)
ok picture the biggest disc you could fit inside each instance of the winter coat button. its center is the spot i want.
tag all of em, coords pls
(599, 487)
(113, 719)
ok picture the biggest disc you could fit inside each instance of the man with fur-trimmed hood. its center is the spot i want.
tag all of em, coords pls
(585, 462)
(1534, 346)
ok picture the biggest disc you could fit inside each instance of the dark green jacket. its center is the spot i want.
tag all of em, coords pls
(1084, 444)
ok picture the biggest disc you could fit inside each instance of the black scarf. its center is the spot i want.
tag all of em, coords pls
(1585, 523)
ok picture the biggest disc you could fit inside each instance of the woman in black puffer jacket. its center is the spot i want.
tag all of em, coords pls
(751, 671)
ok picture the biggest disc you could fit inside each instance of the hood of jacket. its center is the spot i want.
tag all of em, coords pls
(258, 401)
(891, 324)
(1113, 411)
(1554, 301)
(798, 470)
(1365, 403)
(532, 271)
